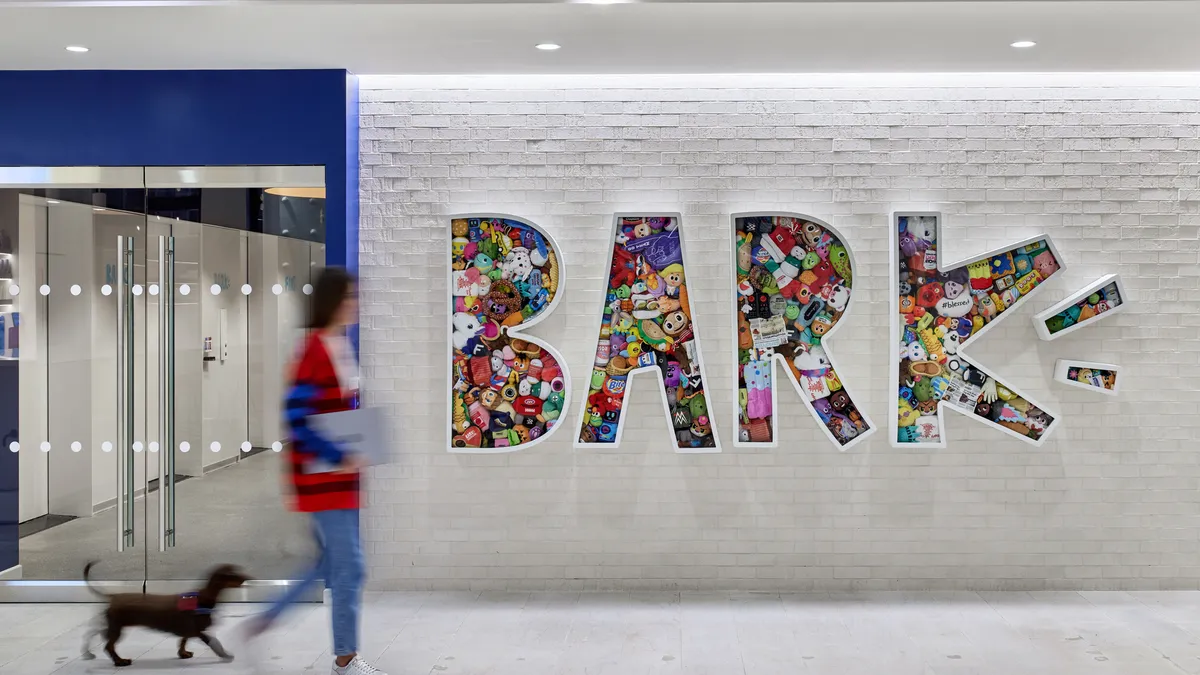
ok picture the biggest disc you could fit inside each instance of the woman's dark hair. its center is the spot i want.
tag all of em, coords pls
(330, 291)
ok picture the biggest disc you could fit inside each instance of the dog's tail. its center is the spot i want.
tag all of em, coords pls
(88, 582)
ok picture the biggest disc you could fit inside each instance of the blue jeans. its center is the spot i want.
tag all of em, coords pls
(340, 564)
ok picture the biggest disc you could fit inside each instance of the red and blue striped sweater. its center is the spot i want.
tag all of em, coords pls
(315, 390)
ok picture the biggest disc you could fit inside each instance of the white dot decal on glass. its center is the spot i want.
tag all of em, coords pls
(307, 289)
(277, 289)
(246, 447)
(246, 289)
(153, 446)
(14, 447)
(137, 446)
(75, 289)
(76, 446)
(106, 290)
(215, 289)
(106, 446)
(44, 289)
(44, 446)
(215, 446)
(137, 289)
(185, 446)
(14, 289)
(276, 446)
(185, 289)
(153, 289)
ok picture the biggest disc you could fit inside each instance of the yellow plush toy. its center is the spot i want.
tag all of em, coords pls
(981, 269)
(932, 345)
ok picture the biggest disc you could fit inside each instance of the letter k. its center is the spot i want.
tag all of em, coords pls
(937, 310)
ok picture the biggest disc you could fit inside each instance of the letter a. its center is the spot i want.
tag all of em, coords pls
(791, 287)
(936, 311)
(507, 391)
(647, 324)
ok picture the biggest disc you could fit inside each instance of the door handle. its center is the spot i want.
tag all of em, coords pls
(125, 397)
(166, 392)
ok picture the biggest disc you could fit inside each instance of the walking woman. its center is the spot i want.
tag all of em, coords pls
(325, 480)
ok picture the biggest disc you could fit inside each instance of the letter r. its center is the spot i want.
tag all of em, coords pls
(792, 280)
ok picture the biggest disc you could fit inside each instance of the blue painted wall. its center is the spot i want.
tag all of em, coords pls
(183, 118)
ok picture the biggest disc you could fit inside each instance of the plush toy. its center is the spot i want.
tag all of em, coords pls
(466, 327)
(980, 275)
(1045, 264)
(621, 273)
(839, 257)
(923, 229)
(839, 297)
(813, 359)
(1002, 265)
(757, 375)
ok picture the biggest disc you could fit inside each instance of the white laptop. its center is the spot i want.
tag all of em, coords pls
(359, 431)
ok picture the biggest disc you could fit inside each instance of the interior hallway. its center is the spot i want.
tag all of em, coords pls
(1064, 633)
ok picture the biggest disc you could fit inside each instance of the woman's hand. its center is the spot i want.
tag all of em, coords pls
(351, 463)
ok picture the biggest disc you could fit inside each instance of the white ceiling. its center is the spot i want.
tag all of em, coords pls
(670, 36)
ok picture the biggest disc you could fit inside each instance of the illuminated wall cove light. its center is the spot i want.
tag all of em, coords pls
(548, 46)
(1023, 44)
(78, 49)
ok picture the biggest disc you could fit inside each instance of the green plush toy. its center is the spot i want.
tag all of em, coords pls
(489, 248)
(923, 389)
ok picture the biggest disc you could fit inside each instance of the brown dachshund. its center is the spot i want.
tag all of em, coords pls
(188, 615)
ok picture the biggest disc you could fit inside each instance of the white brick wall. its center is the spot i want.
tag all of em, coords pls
(1109, 168)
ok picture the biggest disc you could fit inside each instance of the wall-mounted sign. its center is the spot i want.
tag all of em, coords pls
(793, 280)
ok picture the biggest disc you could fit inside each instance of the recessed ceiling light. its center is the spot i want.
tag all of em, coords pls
(548, 46)
(78, 49)
(1024, 44)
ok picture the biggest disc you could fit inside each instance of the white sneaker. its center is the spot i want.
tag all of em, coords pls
(357, 667)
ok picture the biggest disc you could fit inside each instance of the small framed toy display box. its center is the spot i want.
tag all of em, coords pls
(1103, 378)
(1100, 299)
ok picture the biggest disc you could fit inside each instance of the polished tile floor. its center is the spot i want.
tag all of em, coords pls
(1149, 633)
(232, 515)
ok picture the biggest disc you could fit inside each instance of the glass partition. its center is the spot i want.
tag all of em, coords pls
(147, 322)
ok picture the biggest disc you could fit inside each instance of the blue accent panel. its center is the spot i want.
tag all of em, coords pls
(192, 118)
(352, 189)
(180, 118)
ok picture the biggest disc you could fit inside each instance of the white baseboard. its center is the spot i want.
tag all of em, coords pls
(11, 574)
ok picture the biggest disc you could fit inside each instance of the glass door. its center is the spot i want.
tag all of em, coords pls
(247, 258)
(73, 389)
